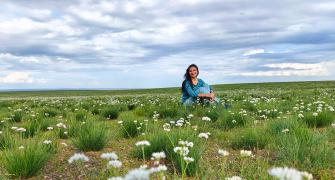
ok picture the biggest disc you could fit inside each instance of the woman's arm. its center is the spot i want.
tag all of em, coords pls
(193, 93)
(211, 94)
(210, 88)
(189, 89)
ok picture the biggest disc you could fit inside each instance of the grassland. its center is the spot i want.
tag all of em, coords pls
(281, 124)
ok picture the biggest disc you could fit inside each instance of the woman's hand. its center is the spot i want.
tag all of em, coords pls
(211, 96)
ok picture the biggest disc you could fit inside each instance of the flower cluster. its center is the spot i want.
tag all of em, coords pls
(205, 118)
(158, 167)
(223, 152)
(78, 157)
(61, 125)
(245, 153)
(190, 116)
(143, 172)
(183, 150)
(109, 155)
(47, 141)
(142, 143)
(285, 173)
(234, 178)
(204, 135)
(155, 116)
(167, 127)
(19, 129)
(157, 156)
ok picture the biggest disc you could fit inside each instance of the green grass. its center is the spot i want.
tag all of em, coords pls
(281, 139)
(7, 140)
(131, 126)
(305, 149)
(110, 112)
(91, 136)
(232, 120)
(17, 116)
(279, 125)
(250, 139)
(81, 116)
(26, 162)
(322, 119)
(166, 141)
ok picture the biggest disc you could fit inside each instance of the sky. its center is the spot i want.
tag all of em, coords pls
(148, 44)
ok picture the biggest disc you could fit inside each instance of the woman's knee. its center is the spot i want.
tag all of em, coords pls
(204, 90)
(189, 101)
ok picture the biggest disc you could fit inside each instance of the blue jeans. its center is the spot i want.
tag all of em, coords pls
(202, 90)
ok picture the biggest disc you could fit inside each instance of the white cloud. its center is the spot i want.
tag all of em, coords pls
(12, 62)
(325, 6)
(253, 51)
(39, 13)
(20, 77)
(297, 66)
(10, 58)
(19, 25)
(25, 25)
(322, 69)
(282, 73)
(146, 36)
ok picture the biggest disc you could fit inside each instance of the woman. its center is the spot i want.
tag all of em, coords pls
(194, 88)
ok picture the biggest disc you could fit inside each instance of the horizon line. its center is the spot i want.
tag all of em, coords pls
(106, 89)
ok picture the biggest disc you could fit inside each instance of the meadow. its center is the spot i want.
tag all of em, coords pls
(259, 131)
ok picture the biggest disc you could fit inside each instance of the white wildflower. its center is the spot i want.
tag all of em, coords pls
(223, 152)
(138, 174)
(300, 115)
(234, 178)
(21, 130)
(115, 178)
(307, 175)
(142, 143)
(183, 151)
(188, 159)
(245, 153)
(285, 130)
(158, 155)
(286, 173)
(157, 169)
(167, 127)
(204, 135)
(190, 116)
(78, 157)
(185, 143)
(61, 125)
(189, 144)
(47, 141)
(109, 155)
(114, 164)
(205, 118)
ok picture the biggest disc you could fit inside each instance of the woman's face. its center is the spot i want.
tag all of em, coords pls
(193, 72)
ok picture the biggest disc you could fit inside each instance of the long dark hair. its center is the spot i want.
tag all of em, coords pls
(187, 76)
